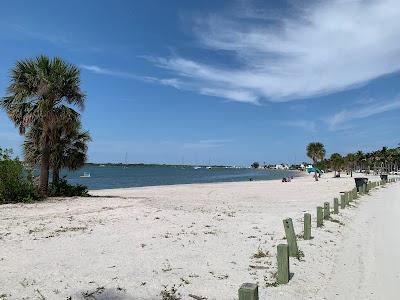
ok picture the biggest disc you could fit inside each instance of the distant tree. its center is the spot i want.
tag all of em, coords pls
(323, 164)
(316, 151)
(350, 161)
(255, 165)
(336, 162)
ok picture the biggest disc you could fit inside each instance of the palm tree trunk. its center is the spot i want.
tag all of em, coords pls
(56, 175)
(315, 170)
(44, 170)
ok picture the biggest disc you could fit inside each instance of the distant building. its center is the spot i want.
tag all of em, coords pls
(282, 167)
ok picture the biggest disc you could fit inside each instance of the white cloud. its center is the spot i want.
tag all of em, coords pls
(302, 124)
(206, 144)
(174, 82)
(326, 47)
(56, 39)
(345, 116)
(103, 71)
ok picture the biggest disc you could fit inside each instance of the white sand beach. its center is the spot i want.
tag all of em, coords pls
(130, 243)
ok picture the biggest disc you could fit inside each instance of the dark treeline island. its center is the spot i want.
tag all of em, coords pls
(153, 165)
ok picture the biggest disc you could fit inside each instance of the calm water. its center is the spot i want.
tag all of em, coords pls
(119, 177)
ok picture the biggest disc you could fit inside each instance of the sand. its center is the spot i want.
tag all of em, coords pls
(202, 238)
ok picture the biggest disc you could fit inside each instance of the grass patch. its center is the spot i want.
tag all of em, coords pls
(92, 294)
(300, 255)
(170, 294)
(336, 221)
(260, 253)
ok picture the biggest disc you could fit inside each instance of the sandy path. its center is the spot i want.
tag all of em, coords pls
(368, 262)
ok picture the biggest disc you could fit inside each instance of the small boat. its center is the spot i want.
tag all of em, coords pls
(85, 175)
(196, 168)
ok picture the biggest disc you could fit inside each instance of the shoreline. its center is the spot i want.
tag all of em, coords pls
(301, 174)
(202, 238)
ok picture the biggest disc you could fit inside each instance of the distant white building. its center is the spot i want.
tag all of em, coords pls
(282, 167)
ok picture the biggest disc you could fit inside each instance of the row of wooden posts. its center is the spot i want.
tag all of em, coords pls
(249, 291)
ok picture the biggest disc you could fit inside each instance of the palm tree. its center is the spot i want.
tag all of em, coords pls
(350, 160)
(68, 151)
(359, 159)
(336, 162)
(316, 151)
(38, 87)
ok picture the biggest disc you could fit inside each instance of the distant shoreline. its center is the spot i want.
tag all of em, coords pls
(111, 177)
(299, 174)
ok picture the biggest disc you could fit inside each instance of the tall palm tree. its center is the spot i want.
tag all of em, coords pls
(38, 87)
(316, 151)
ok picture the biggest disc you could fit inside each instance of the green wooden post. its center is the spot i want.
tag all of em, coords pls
(283, 264)
(335, 205)
(307, 226)
(355, 193)
(248, 291)
(350, 195)
(342, 202)
(290, 237)
(326, 210)
(320, 216)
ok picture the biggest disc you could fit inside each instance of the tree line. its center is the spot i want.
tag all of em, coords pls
(385, 160)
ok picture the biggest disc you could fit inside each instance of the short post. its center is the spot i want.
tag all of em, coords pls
(307, 226)
(283, 264)
(290, 237)
(350, 195)
(320, 216)
(248, 291)
(335, 205)
(326, 210)
(342, 202)
(355, 193)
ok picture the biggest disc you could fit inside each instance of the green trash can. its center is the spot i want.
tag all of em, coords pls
(384, 177)
(360, 181)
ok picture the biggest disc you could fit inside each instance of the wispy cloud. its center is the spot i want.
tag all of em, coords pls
(326, 47)
(206, 144)
(174, 82)
(346, 116)
(56, 39)
(302, 124)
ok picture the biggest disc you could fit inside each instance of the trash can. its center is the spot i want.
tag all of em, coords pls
(360, 181)
(384, 177)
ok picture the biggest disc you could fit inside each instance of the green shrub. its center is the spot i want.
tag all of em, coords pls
(16, 182)
(64, 189)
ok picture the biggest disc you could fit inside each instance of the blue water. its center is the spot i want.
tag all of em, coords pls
(118, 177)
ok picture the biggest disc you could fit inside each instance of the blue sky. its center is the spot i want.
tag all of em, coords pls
(228, 82)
